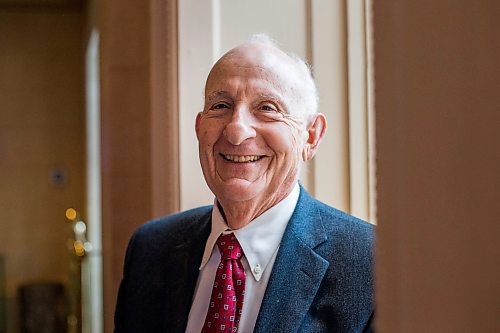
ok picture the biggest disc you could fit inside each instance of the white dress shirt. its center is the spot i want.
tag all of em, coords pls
(259, 240)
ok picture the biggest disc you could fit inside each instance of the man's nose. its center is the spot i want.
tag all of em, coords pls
(240, 127)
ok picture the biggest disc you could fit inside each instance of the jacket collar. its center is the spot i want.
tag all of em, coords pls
(186, 258)
(298, 270)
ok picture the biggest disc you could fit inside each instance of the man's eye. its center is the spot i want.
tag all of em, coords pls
(268, 108)
(219, 106)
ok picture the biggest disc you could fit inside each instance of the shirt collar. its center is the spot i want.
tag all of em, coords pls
(260, 238)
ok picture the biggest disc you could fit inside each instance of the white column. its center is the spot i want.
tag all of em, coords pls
(331, 165)
(92, 298)
(358, 124)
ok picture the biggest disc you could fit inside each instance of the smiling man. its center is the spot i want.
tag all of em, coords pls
(266, 257)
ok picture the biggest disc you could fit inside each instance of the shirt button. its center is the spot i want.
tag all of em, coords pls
(257, 269)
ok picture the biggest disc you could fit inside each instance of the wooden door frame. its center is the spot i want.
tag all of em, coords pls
(139, 126)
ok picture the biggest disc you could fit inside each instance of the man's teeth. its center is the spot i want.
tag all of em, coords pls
(241, 159)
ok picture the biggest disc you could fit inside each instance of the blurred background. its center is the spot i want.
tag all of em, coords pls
(97, 106)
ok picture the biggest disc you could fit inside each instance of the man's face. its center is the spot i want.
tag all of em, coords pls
(250, 134)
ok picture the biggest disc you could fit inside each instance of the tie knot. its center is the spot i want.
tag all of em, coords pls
(229, 247)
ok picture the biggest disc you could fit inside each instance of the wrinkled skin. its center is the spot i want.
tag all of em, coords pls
(252, 111)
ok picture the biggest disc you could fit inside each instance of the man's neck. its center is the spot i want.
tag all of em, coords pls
(238, 214)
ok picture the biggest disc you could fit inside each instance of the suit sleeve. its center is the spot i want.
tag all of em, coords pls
(121, 302)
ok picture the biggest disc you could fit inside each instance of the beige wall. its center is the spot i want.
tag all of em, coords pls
(437, 81)
(41, 128)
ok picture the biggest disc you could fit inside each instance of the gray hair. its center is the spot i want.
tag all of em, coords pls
(310, 96)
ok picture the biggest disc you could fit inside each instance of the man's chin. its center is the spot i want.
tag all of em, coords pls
(238, 189)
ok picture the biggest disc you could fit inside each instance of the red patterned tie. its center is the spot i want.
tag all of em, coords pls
(226, 302)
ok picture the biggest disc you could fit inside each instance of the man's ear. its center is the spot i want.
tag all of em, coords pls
(197, 125)
(316, 129)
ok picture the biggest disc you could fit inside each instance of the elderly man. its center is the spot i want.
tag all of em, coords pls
(266, 257)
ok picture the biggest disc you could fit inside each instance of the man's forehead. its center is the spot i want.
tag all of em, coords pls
(254, 57)
(231, 85)
(264, 94)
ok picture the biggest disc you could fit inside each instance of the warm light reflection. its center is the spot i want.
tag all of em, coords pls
(79, 248)
(70, 214)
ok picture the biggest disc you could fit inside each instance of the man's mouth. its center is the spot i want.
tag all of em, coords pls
(241, 158)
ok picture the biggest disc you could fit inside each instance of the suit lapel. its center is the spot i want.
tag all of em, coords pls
(186, 259)
(297, 272)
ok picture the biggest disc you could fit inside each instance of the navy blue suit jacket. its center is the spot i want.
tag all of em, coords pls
(321, 281)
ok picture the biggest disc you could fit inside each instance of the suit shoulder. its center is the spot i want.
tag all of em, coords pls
(343, 219)
(346, 231)
(331, 216)
(334, 223)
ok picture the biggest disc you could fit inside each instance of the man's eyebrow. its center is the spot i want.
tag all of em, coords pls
(217, 94)
(263, 96)
(276, 98)
(272, 97)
